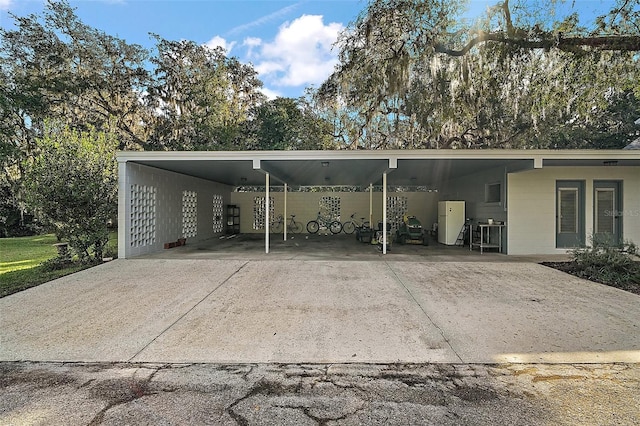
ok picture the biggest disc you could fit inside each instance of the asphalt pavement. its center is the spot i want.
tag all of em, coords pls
(318, 394)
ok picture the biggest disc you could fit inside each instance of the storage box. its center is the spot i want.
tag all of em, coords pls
(364, 235)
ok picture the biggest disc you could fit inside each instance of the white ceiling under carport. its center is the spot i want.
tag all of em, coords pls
(361, 168)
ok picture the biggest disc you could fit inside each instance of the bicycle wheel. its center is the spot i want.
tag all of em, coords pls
(335, 227)
(312, 227)
(276, 227)
(366, 224)
(349, 227)
(296, 227)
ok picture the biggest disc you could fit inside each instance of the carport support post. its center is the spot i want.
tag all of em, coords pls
(284, 214)
(384, 213)
(266, 214)
(371, 206)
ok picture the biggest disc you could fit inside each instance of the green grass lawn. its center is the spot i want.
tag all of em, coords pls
(25, 252)
(20, 260)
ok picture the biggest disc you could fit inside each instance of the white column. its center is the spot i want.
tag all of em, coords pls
(266, 214)
(384, 213)
(284, 214)
(124, 211)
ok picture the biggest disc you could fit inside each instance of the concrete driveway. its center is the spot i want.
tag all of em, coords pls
(317, 311)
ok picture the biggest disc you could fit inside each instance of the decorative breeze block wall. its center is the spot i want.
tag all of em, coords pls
(259, 211)
(218, 213)
(189, 214)
(330, 207)
(143, 215)
(397, 207)
(305, 205)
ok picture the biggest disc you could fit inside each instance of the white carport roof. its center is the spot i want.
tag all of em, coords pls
(406, 167)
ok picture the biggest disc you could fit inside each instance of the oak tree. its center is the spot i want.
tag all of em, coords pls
(418, 74)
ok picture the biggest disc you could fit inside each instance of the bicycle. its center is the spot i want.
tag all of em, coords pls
(292, 226)
(351, 225)
(313, 226)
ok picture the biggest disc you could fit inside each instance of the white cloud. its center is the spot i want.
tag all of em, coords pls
(270, 67)
(301, 53)
(251, 43)
(278, 14)
(5, 4)
(270, 94)
(219, 41)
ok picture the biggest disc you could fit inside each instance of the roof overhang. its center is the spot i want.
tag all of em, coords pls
(407, 167)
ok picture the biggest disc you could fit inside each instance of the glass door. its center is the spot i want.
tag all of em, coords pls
(570, 214)
(607, 210)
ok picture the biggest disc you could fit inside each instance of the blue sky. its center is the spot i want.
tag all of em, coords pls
(288, 42)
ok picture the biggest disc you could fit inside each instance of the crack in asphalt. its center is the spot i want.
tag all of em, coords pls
(261, 387)
(423, 311)
(188, 311)
(323, 421)
(135, 389)
(272, 388)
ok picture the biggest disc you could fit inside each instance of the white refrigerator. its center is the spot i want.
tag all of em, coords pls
(451, 219)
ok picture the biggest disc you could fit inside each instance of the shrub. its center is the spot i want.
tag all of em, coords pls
(54, 264)
(71, 186)
(607, 262)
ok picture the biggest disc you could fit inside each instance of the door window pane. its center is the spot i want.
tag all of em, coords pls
(605, 199)
(568, 214)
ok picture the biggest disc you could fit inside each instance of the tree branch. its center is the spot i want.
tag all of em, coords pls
(569, 44)
(507, 17)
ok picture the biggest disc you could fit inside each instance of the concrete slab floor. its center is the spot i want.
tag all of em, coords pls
(325, 246)
(320, 311)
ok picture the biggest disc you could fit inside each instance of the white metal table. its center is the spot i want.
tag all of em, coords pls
(485, 237)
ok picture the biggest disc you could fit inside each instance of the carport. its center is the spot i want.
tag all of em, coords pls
(444, 170)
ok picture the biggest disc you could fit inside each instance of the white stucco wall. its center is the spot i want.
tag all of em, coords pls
(167, 215)
(531, 195)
